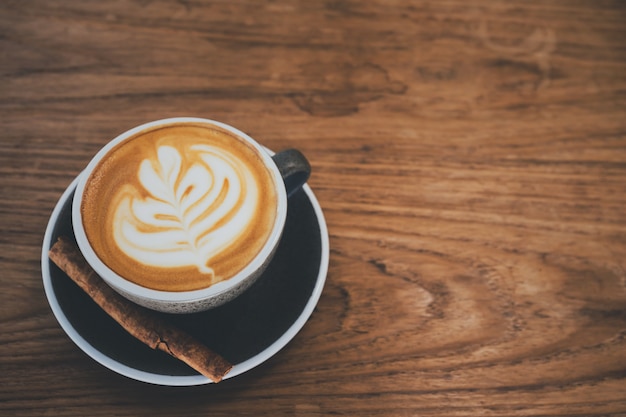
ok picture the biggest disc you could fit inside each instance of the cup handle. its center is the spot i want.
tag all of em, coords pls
(294, 168)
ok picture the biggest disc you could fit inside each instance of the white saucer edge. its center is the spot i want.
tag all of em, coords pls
(175, 380)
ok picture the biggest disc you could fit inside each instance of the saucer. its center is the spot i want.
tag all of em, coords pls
(247, 331)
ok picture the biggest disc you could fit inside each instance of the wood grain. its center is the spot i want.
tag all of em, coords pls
(470, 159)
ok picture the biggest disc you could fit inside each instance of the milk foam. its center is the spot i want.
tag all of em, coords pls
(184, 213)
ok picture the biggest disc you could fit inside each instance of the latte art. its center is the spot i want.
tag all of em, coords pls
(179, 207)
(189, 212)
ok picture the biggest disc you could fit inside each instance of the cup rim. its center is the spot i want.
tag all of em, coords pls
(215, 290)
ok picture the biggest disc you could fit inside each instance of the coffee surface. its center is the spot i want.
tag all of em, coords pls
(179, 207)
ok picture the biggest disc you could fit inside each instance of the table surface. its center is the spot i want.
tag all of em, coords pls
(469, 157)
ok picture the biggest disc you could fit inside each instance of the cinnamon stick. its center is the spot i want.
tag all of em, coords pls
(136, 320)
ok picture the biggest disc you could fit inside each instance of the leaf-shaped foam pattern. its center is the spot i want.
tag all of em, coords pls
(186, 213)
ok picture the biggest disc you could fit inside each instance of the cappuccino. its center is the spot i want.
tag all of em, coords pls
(179, 207)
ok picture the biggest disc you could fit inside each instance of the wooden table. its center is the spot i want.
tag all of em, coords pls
(469, 157)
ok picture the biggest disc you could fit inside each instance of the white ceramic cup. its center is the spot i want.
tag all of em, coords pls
(288, 167)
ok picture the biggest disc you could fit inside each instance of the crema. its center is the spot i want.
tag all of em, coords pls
(179, 207)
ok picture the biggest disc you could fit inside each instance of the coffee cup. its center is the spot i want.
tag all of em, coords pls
(182, 215)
